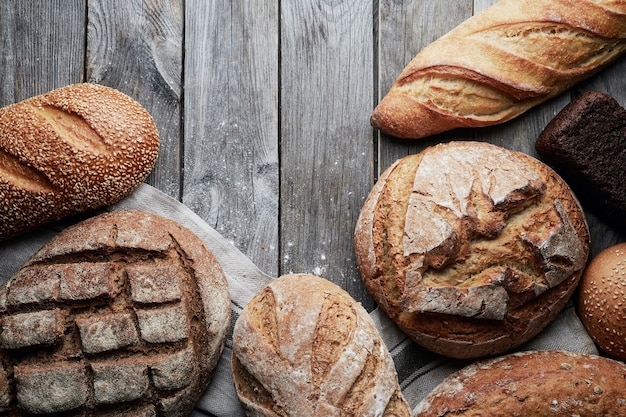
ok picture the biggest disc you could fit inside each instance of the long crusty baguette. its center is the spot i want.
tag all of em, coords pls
(500, 63)
(71, 150)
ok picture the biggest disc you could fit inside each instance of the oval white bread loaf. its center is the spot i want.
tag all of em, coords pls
(602, 300)
(536, 383)
(123, 314)
(74, 149)
(471, 248)
(303, 347)
(500, 63)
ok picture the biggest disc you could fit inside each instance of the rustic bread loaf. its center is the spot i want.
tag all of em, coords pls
(123, 314)
(500, 63)
(536, 383)
(601, 300)
(303, 347)
(71, 150)
(586, 144)
(471, 248)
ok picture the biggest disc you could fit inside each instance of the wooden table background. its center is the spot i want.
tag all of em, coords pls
(262, 106)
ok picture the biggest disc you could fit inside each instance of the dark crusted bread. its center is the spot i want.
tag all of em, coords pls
(123, 314)
(471, 248)
(586, 144)
(538, 383)
(303, 347)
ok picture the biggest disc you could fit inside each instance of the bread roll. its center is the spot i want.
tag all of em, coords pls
(71, 150)
(123, 314)
(303, 347)
(586, 144)
(601, 300)
(500, 63)
(539, 383)
(471, 248)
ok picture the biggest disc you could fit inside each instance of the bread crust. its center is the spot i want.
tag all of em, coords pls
(501, 62)
(535, 383)
(74, 149)
(470, 248)
(601, 300)
(124, 313)
(304, 347)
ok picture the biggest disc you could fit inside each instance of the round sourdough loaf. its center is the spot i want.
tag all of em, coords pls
(74, 149)
(536, 383)
(123, 314)
(471, 248)
(602, 300)
(303, 347)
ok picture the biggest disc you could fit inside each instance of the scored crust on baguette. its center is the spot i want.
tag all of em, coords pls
(501, 62)
(303, 347)
(125, 313)
(74, 149)
(470, 248)
(533, 383)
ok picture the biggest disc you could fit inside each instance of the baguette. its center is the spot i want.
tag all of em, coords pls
(501, 62)
(74, 149)
(535, 383)
(303, 347)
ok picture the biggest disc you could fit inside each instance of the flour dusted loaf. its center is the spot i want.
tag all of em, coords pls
(535, 383)
(471, 248)
(71, 150)
(602, 300)
(586, 144)
(500, 63)
(124, 314)
(303, 347)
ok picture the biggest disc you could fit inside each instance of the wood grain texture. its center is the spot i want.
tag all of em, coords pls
(231, 123)
(263, 107)
(405, 27)
(137, 48)
(42, 45)
(326, 152)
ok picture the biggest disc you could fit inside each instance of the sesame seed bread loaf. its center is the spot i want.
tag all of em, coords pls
(602, 300)
(71, 150)
(471, 248)
(535, 383)
(500, 63)
(303, 347)
(122, 314)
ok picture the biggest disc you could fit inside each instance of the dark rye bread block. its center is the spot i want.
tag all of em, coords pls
(586, 144)
(124, 314)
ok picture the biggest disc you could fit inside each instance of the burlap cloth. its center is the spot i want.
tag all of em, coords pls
(419, 370)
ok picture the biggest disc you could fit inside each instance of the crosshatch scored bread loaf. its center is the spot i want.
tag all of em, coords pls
(536, 383)
(74, 149)
(303, 347)
(471, 248)
(123, 314)
(500, 63)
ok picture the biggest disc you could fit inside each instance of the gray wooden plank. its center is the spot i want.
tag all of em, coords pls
(136, 47)
(326, 142)
(231, 123)
(405, 27)
(42, 46)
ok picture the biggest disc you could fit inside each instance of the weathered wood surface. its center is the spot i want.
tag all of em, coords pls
(262, 107)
